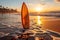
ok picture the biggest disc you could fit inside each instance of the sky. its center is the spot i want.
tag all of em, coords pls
(45, 5)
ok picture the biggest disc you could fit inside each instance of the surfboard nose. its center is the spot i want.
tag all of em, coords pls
(25, 16)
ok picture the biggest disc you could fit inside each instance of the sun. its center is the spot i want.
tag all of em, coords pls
(38, 9)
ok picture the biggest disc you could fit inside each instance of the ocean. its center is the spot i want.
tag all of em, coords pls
(12, 23)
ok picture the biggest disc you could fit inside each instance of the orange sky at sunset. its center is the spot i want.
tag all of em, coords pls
(42, 8)
(33, 5)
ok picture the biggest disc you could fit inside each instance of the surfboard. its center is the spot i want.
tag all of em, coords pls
(25, 16)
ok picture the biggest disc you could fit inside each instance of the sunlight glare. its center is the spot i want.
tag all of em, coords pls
(38, 9)
(38, 20)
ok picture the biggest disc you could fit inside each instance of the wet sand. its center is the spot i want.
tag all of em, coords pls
(52, 25)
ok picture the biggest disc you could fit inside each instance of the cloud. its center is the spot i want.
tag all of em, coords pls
(57, 1)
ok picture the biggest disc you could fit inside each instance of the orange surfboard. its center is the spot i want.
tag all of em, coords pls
(25, 16)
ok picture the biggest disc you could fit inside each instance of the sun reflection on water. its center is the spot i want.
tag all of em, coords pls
(39, 20)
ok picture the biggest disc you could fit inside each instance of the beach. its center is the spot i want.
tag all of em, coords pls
(11, 23)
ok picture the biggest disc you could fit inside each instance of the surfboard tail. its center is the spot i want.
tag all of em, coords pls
(25, 16)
